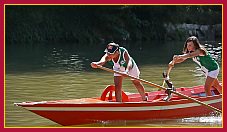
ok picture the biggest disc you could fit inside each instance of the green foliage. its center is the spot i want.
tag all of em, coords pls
(98, 24)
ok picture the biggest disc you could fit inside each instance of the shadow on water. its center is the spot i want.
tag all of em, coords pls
(62, 71)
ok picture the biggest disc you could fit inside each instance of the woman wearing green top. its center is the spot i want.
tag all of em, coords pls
(121, 61)
(193, 49)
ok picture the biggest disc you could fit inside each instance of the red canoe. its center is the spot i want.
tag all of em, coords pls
(104, 108)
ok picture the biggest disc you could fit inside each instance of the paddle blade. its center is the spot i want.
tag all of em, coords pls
(169, 84)
(170, 87)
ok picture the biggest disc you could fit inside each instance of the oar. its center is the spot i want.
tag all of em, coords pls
(158, 86)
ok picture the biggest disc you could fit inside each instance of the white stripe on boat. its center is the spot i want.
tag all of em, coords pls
(138, 108)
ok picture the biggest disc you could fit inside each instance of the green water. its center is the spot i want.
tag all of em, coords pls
(62, 71)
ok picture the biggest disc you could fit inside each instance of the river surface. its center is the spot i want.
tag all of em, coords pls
(37, 72)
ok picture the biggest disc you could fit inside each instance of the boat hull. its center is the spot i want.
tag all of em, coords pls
(93, 110)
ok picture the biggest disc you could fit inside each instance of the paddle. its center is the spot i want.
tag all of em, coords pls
(170, 87)
(167, 74)
(158, 86)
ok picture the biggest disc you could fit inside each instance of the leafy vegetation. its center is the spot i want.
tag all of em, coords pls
(92, 24)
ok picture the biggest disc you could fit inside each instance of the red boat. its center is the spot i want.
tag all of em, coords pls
(105, 108)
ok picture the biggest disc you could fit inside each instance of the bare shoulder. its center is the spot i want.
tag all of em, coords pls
(107, 58)
(198, 52)
(126, 54)
(202, 51)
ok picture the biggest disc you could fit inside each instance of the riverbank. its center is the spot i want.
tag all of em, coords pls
(95, 24)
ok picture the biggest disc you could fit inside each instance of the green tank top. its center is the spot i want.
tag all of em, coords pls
(206, 61)
(121, 60)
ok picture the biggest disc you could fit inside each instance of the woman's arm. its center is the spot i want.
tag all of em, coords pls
(101, 62)
(175, 60)
(192, 54)
(181, 58)
(171, 65)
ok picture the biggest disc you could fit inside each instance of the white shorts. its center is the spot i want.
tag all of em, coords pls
(213, 74)
(135, 72)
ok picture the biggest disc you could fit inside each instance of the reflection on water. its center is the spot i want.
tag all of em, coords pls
(60, 61)
(55, 72)
(215, 50)
(213, 121)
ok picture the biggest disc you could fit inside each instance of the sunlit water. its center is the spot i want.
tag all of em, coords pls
(56, 72)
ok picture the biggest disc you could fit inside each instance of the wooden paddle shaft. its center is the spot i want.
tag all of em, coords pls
(158, 86)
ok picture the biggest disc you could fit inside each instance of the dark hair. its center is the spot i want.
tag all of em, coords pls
(196, 43)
